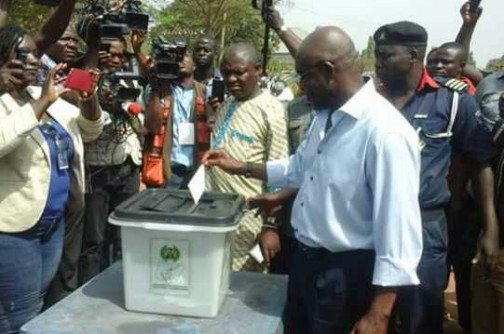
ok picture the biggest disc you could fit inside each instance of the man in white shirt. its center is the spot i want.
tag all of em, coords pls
(356, 216)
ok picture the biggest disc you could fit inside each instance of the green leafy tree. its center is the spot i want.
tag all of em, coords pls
(368, 56)
(228, 21)
(29, 15)
(496, 64)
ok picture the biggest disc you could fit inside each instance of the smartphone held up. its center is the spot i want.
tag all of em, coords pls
(79, 80)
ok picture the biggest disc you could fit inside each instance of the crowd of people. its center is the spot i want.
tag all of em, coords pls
(368, 191)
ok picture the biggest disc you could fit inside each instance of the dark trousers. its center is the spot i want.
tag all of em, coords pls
(282, 262)
(420, 309)
(108, 187)
(463, 231)
(328, 292)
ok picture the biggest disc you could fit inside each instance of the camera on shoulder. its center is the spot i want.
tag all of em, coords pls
(167, 56)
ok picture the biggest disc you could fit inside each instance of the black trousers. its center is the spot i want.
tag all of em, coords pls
(108, 187)
(328, 292)
(463, 230)
(420, 309)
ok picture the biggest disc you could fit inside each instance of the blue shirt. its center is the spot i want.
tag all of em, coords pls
(183, 99)
(358, 186)
(429, 114)
(59, 143)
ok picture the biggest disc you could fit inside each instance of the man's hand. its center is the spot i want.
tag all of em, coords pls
(272, 18)
(371, 323)
(95, 75)
(270, 205)
(470, 16)
(104, 58)
(137, 39)
(269, 240)
(11, 75)
(222, 160)
(214, 103)
(487, 253)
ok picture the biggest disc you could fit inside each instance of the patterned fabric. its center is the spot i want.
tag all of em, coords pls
(256, 132)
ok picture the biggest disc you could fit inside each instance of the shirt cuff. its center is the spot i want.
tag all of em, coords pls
(277, 173)
(389, 272)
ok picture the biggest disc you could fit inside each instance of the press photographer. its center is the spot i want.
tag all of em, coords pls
(113, 161)
(175, 117)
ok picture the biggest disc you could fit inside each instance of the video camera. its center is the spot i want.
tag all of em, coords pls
(113, 22)
(113, 92)
(167, 56)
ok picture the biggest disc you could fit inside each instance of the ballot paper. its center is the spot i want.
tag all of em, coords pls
(257, 254)
(197, 184)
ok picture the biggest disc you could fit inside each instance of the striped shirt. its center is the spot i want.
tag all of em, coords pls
(253, 131)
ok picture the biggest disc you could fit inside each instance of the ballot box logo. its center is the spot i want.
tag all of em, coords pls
(170, 253)
(170, 266)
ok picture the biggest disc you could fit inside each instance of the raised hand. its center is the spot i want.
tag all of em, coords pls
(469, 15)
(11, 75)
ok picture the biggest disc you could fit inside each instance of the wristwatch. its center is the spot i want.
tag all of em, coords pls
(248, 169)
(283, 28)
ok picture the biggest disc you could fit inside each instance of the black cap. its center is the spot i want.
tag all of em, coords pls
(401, 33)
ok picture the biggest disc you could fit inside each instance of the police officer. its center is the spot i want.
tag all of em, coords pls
(445, 120)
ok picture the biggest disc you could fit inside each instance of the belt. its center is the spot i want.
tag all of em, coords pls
(435, 207)
(322, 253)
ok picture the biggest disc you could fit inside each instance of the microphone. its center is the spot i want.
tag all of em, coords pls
(132, 108)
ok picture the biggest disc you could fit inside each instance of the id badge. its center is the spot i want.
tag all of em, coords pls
(62, 154)
(186, 133)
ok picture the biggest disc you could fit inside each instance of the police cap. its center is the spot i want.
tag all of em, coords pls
(401, 33)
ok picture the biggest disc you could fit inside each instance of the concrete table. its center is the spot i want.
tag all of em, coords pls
(254, 305)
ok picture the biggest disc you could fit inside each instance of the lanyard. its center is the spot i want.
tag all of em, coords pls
(63, 148)
(227, 120)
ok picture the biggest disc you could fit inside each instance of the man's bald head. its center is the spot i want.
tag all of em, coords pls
(243, 51)
(329, 66)
(326, 43)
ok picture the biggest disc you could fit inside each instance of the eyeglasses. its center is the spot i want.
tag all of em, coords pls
(311, 68)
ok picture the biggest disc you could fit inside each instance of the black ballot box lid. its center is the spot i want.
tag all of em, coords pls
(166, 206)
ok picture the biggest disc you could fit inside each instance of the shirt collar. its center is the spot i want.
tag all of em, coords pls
(426, 81)
(356, 106)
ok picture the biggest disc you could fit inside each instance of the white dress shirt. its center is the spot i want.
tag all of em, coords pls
(358, 186)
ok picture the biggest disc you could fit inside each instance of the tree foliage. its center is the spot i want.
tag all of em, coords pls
(368, 56)
(29, 15)
(496, 64)
(228, 21)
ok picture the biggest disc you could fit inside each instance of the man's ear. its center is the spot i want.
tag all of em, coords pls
(414, 55)
(258, 68)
